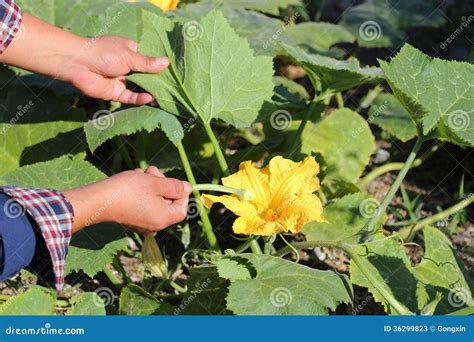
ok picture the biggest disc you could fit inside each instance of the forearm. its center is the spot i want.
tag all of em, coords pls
(45, 49)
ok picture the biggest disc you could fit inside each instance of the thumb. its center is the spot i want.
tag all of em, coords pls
(147, 64)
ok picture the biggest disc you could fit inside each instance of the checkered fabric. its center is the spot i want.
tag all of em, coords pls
(54, 215)
(10, 21)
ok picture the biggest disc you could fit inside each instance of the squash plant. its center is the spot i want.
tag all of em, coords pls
(298, 187)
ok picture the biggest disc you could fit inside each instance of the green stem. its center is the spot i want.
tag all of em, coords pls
(113, 279)
(340, 100)
(297, 138)
(177, 287)
(396, 184)
(206, 222)
(437, 217)
(217, 149)
(254, 246)
(394, 167)
(398, 307)
(243, 194)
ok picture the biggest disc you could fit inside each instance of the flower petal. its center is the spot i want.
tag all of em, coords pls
(300, 210)
(231, 202)
(255, 225)
(251, 178)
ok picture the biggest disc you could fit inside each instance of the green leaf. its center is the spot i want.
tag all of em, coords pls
(386, 261)
(62, 173)
(344, 140)
(387, 113)
(234, 269)
(34, 302)
(440, 271)
(420, 84)
(87, 304)
(258, 28)
(267, 6)
(213, 73)
(206, 293)
(330, 75)
(346, 219)
(30, 143)
(385, 23)
(282, 287)
(135, 301)
(94, 247)
(130, 121)
(318, 38)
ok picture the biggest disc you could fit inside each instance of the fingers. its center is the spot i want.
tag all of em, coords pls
(127, 96)
(153, 170)
(140, 63)
(171, 188)
(176, 211)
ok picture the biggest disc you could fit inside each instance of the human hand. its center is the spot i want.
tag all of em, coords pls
(145, 201)
(100, 72)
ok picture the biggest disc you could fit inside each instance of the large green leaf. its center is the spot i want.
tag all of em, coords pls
(267, 6)
(385, 23)
(62, 173)
(87, 304)
(29, 143)
(281, 287)
(330, 75)
(258, 28)
(94, 247)
(387, 113)
(318, 38)
(441, 271)
(344, 140)
(130, 121)
(436, 93)
(33, 302)
(213, 72)
(135, 301)
(346, 219)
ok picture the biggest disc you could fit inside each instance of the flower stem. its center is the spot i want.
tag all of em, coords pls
(217, 149)
(221, 188)
(396, 184)
(297, 138)
(340, 100)
(437, 217)
(254, 246)
(206, 222)
(363, 182)
(113, 279)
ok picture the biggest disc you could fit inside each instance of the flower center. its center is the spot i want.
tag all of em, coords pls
(270, 215)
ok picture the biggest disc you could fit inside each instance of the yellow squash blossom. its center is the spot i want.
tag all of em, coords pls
(282, 197)
(165, 5)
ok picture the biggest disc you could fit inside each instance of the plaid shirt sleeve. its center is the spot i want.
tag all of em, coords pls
(54, 216)
(10, 21)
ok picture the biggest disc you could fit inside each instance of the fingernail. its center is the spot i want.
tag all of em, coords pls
(188, 188)
(162, 61)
